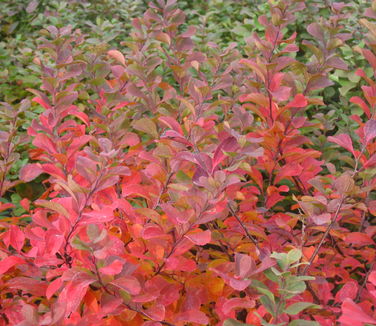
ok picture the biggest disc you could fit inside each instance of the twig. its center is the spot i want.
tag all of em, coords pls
(94, 261)
(255, 242)
(163, 190)
(224, 247)
(317, 249)
(358, 295)
(147, 316)
(316, 299)
(363, 221)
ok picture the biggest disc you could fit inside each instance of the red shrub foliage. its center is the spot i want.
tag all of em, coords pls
(182, 185)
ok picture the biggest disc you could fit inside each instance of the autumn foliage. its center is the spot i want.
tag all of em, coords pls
(182, 184)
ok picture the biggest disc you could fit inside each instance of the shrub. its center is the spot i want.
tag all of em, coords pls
(186, 184)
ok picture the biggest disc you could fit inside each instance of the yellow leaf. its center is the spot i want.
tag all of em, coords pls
(163, 37)
(117, 55)
(147, 126)
(53, 206)
(215, 286)
(189, 105)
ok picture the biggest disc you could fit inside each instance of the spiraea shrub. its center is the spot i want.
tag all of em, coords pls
(174, 181)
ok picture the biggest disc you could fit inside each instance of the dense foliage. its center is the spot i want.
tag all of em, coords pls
(197, 164)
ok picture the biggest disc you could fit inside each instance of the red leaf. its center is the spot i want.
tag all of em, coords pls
(343, 140)
(25, 203)
(336, 62)
(111, 305)
(44, 142)
(357, 100)
(370, 162)
(254, 67)
(156, 312)
(54, 241)
(344, 184)
(180, 264)
(359, 238)
(152, 323)
(65, 100)
(236, 284)
(9, 262)
(131, 139)
(233, 303)
(32, 6)
(372, 277)
(72, 294)
(174, 215)
(353, 314)
(151, 231)
(257, 98)
(16, 237)
(199, 237)
(30, 171)
(316, 31)
(266, 263)
(230, 144)
(371, 58)
(134, 190)
(114, 268)
(129, 284)
(176, 137)
(118, 56)
(370, 130)
(299, 101)
(193, 316)
(289, 170)
(53, 170)
(183, 246)
(4, 207)
(94, 217)
(77, 143)
(349, 290)
(28, 284)
(41, 102)
(171, 123)
(321, 219)
(243, 265)
(53, 287)
(122, 104)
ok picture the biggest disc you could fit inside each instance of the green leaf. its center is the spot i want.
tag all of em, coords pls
(298, 264)
(92, 231)
(241, 30)
(264, 323)
(282, 259)
(77, 243)
(305, 278)
(302, 322)
(125, 295)
(272, 275)
(233, 322)
(263, 289)
(268, 304)
(294, 255)
(293, 287)
(297, 307)
(276, 272)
